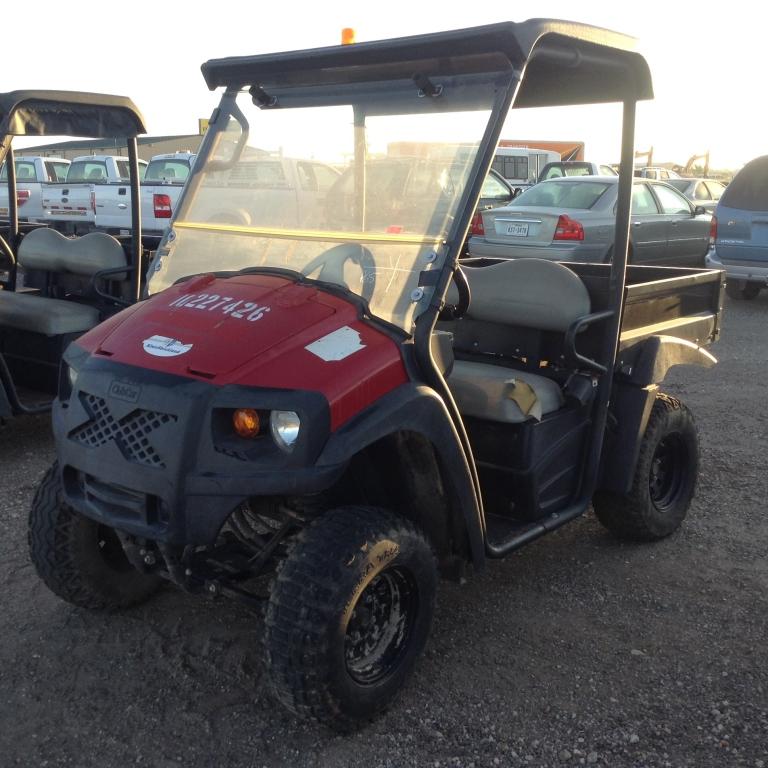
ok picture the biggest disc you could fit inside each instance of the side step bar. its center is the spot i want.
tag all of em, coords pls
(520, 536)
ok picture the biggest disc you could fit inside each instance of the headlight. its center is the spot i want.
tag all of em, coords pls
(285, 427)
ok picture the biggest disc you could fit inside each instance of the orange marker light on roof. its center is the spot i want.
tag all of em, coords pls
(246, 422)
(347, 36)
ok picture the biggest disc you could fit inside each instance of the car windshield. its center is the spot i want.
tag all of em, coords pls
(563, 194)
(167, 170)
(379, 169)
(679, 184)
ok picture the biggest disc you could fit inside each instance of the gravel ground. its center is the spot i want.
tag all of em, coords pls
(577, 650)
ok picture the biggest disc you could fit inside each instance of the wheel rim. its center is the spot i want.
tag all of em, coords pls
(380, 626)
(667, 471)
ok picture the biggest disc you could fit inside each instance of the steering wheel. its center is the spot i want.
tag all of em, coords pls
(331, 266)
(459, 309)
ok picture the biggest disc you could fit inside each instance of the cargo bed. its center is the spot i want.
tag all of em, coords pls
(678, 302)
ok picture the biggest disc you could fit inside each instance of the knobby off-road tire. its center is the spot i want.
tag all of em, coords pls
(349, 614)
(664, 481)
(79, 560)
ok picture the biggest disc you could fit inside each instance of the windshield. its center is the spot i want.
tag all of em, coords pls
(174, 171)
(380, 171)
(679, 184)
(563, 194)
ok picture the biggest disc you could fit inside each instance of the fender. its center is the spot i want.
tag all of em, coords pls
(632, 400)
(418, 409)
(658, 354)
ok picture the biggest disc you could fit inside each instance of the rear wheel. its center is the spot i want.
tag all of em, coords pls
(79, 560)
(738, 290)
(349, 614)
(665, 477)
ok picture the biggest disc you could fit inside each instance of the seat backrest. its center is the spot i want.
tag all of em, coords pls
(528, 293)
(96, 174)
(49, 251)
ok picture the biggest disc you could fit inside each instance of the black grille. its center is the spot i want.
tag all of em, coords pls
(130, 433)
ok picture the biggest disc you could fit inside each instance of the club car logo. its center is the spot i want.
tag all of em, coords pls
(124, 390)
(163, 346)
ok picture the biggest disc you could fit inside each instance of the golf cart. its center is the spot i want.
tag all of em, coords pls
(54, 288)
(327, 417)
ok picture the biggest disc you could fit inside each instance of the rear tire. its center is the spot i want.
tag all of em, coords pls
(664, 481)
(79, 560)
(742, 291)
(349, 614)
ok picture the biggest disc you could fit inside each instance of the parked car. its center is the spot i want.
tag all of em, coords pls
(32, 171)
(575, 168)
(740, 231)
(659, 174)
(160, 191)
(70, 206)
(398, 186)
(703, 192)
(571, 219)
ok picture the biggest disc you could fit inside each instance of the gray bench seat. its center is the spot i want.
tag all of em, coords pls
(524, 293)
(501, 394)
(49, 251)
(50, 317)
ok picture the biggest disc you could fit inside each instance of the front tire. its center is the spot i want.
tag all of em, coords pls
(79, 560)
(349, 614)
(664, 481)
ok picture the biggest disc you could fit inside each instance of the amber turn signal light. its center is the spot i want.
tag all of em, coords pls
(246, 422)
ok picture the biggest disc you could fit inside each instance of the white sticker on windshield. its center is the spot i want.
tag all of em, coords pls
(337, 345)
(164, 346)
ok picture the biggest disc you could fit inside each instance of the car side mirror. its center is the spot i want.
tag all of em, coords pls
(517, 192)
(699, 210)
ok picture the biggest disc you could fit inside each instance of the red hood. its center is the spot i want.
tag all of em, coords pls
(258, 331)
(219, 326)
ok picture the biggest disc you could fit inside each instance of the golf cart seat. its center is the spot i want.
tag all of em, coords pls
(514, 303)
(68, 267)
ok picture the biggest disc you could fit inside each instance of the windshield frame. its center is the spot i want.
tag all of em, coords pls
(380, 99)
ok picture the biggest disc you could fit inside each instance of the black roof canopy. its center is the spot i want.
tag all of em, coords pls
(563, 63)
(68, 113)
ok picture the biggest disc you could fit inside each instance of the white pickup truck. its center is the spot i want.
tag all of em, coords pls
(267, 188)
(160, 190)
(32, 172)
(71, 206)
(227, 196)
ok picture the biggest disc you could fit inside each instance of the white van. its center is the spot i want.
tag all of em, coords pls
(521, 166)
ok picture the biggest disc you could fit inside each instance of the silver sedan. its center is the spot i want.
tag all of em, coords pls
(703, 192)
(572, 219)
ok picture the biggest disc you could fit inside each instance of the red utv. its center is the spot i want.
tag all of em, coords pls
(318, 404)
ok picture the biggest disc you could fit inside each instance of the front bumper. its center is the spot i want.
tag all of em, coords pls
(140, 452)
(748, 271)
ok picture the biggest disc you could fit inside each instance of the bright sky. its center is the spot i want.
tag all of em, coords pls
(706, 59)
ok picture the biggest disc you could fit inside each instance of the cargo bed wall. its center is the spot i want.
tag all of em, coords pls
(660, 301)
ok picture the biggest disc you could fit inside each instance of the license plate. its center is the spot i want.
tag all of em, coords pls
(517, 230)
